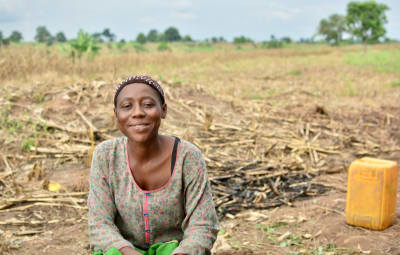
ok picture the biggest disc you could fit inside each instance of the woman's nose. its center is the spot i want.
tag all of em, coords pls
(137, 111)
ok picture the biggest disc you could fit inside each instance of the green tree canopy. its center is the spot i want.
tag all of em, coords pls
(286, 39)
(1, 38)
(60, 37)
(15, 37)
(43, 35)
(107, 34)
(242, 39)
(141, 38)
(152, 36)
(171, 34)
(84, 43)
(332, 29)
(187, 38)
(97, 37)
(366, 20)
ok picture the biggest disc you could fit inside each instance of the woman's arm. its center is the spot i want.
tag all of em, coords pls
(103, 233)
(200, 225)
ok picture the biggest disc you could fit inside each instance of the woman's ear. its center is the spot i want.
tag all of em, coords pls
(164, 111)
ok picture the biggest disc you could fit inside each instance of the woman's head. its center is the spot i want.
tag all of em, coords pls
(140, 79)
(139, 107)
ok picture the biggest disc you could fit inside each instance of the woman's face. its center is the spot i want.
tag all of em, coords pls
(139, 112)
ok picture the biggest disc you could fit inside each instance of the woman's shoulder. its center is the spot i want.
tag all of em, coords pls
(188, 147)
(190, 153)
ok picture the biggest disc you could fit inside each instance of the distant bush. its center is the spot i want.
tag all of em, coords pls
(273, 44)
(204, 45)
(138, 47)
(141, 38)
(121, 46)
(84, 43)
(242, 39)
(187, 38)
(163, 46)
(286, 39)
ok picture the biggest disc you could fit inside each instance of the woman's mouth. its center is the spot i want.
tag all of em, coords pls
(140, 127)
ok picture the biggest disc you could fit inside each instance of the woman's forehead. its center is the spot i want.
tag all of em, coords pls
(137, 90)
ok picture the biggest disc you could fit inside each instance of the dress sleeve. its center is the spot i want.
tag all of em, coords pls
(103, 233)
(200, 225)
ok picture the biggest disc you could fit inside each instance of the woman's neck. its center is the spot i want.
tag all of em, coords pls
(145, 151)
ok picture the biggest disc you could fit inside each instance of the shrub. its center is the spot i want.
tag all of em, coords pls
(163, 46)
(84, 43)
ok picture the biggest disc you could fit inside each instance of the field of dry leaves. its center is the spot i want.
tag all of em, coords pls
(278, 130)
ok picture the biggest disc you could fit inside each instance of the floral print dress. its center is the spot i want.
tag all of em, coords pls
(122, 214)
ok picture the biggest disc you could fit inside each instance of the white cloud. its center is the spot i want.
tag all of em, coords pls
(10, 6)
(10, 10)
(182, 3)
(285, 15)
(183, 15)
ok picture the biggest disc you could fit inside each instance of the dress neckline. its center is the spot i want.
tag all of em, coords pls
(133, 178)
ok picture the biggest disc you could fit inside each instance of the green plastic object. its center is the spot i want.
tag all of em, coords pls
(156, 249)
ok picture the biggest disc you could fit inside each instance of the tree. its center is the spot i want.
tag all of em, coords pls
(242, 39)
(273, 43)
(141, 38)
(84, 43)
(43, 35)
(152, 36)
(15, 37)
(171, 34)
(286, 39)
(97, 37)
(187, 38)
(60, 37)
(107, 33)
(3, 41)
(332, 29)
(366, 20)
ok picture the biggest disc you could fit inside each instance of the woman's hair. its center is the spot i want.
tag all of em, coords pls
(140, 79)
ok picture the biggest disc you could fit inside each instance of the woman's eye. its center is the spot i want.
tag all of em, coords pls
(148, 104)
(126, 105)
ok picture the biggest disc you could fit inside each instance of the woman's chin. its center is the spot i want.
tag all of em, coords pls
(140, 138)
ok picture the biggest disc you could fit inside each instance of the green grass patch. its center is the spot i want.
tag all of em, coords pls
(395, 84)
(387, 61)
(27, 144)
(332, 249)
(295, 72)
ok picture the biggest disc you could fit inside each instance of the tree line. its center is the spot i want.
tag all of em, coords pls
(364, 22)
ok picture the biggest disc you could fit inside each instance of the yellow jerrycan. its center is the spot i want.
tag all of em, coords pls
(371, 193)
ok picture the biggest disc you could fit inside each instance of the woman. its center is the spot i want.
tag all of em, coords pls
(147, 189)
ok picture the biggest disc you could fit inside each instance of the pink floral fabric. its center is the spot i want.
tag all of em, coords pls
(122, 214)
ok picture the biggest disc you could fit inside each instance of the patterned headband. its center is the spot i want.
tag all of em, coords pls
(139, 79)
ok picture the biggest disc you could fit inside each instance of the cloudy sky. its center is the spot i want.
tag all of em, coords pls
(201, 19)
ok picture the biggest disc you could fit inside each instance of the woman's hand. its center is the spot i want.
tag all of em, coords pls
(129, 251)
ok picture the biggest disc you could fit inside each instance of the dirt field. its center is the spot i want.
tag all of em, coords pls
(256, 114)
